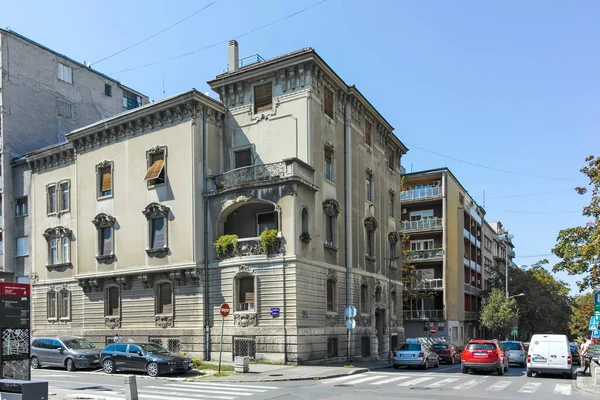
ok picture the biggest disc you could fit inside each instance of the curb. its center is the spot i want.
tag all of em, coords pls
(584, 388)
(306, 378)
(116, 375)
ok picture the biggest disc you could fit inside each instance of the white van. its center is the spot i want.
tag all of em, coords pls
(549, 354)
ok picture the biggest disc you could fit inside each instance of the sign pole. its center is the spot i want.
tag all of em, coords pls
(221, 345)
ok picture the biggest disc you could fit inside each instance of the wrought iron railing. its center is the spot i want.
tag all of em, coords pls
(423, 314)
(419, 255)
(423, 224)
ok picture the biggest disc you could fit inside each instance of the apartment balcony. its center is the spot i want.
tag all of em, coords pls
(472, 290)
(471, 238)
(423, 225)
(264, 174)
(423, 194)
(426, 315)
(499, 258)
(425, 255)
(251, 247)
(472, 315)
(427, 284)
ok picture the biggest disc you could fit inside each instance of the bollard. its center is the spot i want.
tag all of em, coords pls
(242, 364)
(131, 392)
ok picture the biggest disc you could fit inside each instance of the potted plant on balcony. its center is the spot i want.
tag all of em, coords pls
(268, 240)
(226, 245)
(305, 238)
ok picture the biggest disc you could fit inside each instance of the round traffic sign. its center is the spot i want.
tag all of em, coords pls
(350, 323)
(433, 330)
(350, 312)
(225, 309)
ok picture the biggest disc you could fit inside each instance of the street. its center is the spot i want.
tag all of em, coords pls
(447, 381)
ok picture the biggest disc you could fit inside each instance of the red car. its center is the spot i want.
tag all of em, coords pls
(447, 352)
(484, 355)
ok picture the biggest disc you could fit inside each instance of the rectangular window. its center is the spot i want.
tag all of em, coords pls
(157, 237)
(105, 181)
(263, 97)
(368, 133)
(165, 298)
(245, 294)
(64, 196)
(266, 221)
(53, 257)
(108, 90)
(421, 214)
(370, 245)
(22, 207)
(51, 312)
(65, 250)
(112, 301)
(2, 247)
(329, 229)
(427, 244)
(391, 204)
(131, 100)
(105, 247)
(369, 187)
(243, 158)
(364, 295)
(64, 304)
(329, 165)
(328, 102)
(22, 246)
(65, 109)
(65, 73)
(156, 171)
(51, 199)
(330, 295)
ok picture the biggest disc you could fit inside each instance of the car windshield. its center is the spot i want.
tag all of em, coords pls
(409, 347)
(481, 346)
(153, 349)
(511, 345)
(78, 344)
(440, 346)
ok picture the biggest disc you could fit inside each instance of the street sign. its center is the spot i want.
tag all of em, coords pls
(350, 323)
(225, 309)
(515, 331)
(596, 334)
(350, 312)
(593, 323)
(433, 330)
(274, 312)
(597, 298)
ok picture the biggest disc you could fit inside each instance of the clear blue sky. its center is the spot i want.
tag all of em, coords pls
(512, 85)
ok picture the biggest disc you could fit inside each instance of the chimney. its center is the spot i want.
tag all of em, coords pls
(234, 56)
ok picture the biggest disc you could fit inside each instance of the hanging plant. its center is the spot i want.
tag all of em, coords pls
(305, 238)
(268, 240)
(225, 245)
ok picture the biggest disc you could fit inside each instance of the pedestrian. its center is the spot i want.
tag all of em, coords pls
(585, 348)
(117, 338)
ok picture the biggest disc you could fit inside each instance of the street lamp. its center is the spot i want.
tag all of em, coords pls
(516, 295)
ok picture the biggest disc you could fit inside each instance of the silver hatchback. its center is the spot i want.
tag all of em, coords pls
(415, 354)
(70, 352)
(516, 352)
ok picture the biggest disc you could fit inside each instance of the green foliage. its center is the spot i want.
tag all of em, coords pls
(305, 238)
(579, 247)
(198, 364)
(499, 314)
(581, 311)
(268, 240)
(226, 244)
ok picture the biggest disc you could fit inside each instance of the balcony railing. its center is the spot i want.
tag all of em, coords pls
(251, 247)
(428, 284)
(253, 174)
(424, 255)
(472, 289)
(422, 225)
(471, 315)
(424, 314)
(420, 194)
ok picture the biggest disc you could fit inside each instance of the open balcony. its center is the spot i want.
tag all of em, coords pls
(426, 315)
(425, 255)
(264, 174)
(421, 194)
(472, 290)
(423, 225)
(427, 284)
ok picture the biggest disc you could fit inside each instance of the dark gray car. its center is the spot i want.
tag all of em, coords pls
(70, 352)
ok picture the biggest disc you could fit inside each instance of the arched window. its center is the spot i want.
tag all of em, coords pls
(331, 295)
(364, 299)
(51, 304)
(164, 298)
(64, 304)
(112, 301)
(304, 220)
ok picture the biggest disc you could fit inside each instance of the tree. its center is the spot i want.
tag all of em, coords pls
(499, 313)
(581, 311)
(579, 247)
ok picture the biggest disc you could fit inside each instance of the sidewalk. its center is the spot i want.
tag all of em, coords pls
(586, 382)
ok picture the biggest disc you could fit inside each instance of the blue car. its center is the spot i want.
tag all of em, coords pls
(415, 355)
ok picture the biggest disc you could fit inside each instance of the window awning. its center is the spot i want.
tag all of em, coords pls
(155, 170)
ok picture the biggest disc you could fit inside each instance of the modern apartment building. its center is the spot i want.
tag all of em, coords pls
(146, 222)
(43, 95)
(447, 249)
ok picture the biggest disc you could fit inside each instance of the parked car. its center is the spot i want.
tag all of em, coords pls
(576, 357)
(447, 352)
(549, 354)
(484, 355)
(415, 354)
(147, 357)
(516, 353)
(70, 352)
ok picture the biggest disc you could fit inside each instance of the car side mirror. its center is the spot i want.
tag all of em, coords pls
(60, 349)
(140, 353)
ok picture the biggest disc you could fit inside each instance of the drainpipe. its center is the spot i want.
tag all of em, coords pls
(347, 216)
(206, 276)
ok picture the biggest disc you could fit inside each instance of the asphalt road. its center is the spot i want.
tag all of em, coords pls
(445, 382)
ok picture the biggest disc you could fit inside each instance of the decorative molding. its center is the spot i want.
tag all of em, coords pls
(124, 281)
(393, 238)
(57, 232)
(365, 320)
(245, 320)
(369, 170)
(50, 158)
(392, 191)
(103, 220)
(163, 321)
(106, 258)
(331, 319)
(371, 224)
(91, 285)
(158, 253)
(156, 149)
(59, 267)
(331, 207)
(332, 275)
(112, 322)
(329, 145)
(238, 199)
(156, 210)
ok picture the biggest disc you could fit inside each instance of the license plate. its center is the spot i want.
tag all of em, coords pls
(539, 359)
(480, 354)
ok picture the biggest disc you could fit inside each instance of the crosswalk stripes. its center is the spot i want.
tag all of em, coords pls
(530, 387)
(442, 382)
(417, 381)
(498, 386)
(390, 380)
(562, 388)
(468, 384)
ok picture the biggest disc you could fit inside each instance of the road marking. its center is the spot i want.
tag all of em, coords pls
(416, 381)
(563, 388)
(443, 382)
(340, 379)
(361, 380)
(250, 388)
(186, 396)
(498, 386)
(468, 384)
(195, 390)
(530, 387)
(390, 380)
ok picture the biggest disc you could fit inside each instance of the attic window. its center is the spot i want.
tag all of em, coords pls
(263, 97)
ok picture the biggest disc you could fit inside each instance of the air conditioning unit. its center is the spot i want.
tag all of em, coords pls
(404, 211)
(437, 183)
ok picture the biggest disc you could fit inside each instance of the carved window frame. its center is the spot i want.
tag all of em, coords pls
(63, 315)
(52, 308)
(236, 292)
(101, 165)
(152, 211)
(59, 193)
(149, 154)
(58, 234)
(157, 298)
(331, 277)
(107, 290)
(102, 221)
(331, 210)
(49, 186)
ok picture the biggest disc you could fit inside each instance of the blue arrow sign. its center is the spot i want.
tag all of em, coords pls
(596, 334)
(350, 312)
(593, 323)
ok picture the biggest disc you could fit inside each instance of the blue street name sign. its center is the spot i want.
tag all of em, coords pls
(593, 323)
(350, 312)
(275, 312)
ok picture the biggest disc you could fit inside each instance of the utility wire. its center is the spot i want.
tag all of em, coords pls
(535, 213)
(537, 255)
(491, 168)
(526, 195)
(221, 42)
(157, 33)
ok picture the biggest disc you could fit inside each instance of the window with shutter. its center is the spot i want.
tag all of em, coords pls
(156, 171)
(328, 102)
(263, 97)
(105, 176)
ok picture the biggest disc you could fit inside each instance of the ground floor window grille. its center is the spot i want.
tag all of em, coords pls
(244, 346)
(332, 347)
(173, 344)
(366, 346)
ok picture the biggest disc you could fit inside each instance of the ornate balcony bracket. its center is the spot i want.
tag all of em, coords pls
(163, 321)
(112, 322)
(106, 259)
(245, 320)
(331, 319)
(158, 253)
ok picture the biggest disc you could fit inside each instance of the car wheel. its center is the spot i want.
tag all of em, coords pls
(152, 369)
(70, 365)
(108, 366)
(34, 362)
(529, 374)
(465, 370)
(500, 371)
